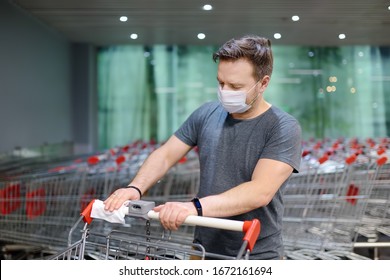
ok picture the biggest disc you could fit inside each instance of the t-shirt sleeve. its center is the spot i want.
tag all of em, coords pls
(284, 143)
(188, 131)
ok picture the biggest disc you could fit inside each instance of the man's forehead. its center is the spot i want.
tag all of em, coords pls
(235, 75)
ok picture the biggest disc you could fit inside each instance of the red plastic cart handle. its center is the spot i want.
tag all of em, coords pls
(87, 212)
(252, 231)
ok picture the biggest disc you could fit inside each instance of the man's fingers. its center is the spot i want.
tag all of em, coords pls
(172, 215)
(158, 208)
(114, 201)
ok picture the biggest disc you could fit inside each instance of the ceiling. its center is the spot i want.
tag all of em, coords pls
(178, 22)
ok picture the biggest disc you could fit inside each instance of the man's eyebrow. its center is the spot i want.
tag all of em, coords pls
(236, 84)
(231, 83)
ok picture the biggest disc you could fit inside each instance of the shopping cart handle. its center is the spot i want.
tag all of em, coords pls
(142, 209)
(250, 228)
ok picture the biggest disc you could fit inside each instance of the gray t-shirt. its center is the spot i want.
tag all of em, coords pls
(229, 150)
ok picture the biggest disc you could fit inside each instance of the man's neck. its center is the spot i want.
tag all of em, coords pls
(258, 108)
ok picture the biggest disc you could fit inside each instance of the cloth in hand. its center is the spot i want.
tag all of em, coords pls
(116, 216)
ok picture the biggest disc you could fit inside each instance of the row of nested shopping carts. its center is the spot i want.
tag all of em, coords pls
(342, 192)
(40, 200)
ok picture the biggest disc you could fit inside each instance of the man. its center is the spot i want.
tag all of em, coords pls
(247, 147)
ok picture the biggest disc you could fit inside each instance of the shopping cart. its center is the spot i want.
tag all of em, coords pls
(374, 229)
(39, 200)
(127, 243)
(324, 205)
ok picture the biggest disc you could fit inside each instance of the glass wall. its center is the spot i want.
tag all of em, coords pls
(147, 92)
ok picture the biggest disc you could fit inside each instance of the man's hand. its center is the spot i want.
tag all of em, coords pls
(117, 198)
(173, 214)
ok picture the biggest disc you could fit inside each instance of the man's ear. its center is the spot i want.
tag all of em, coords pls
(264, 82)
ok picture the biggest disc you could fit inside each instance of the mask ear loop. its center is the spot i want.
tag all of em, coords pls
(254, 100)
(257, 96)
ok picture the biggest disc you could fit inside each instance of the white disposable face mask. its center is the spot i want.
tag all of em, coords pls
(235, 101)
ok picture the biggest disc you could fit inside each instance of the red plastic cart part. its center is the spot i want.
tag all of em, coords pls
(87, 212)
(93, 160)
(323, 159)
(183, 160)
(352, 191)
(305, 153)
(381, 161)
(252, 231)
(121, 159)
(10, 199)
(35, 203)
(96, 159)
(381, 150)
(351, 159)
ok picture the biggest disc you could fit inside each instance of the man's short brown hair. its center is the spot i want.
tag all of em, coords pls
(255, 49)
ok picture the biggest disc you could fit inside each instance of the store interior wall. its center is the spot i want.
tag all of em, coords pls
(46, 93)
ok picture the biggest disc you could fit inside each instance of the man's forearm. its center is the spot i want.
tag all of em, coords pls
(153, 169)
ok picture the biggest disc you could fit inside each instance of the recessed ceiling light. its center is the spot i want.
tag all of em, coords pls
(134, 36)
(123, 18)
(342, 36)
(295, 18)
(201, 36)
(207, 7)
(277, 35)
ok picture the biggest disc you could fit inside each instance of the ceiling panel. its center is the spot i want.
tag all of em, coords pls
(179, 21)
